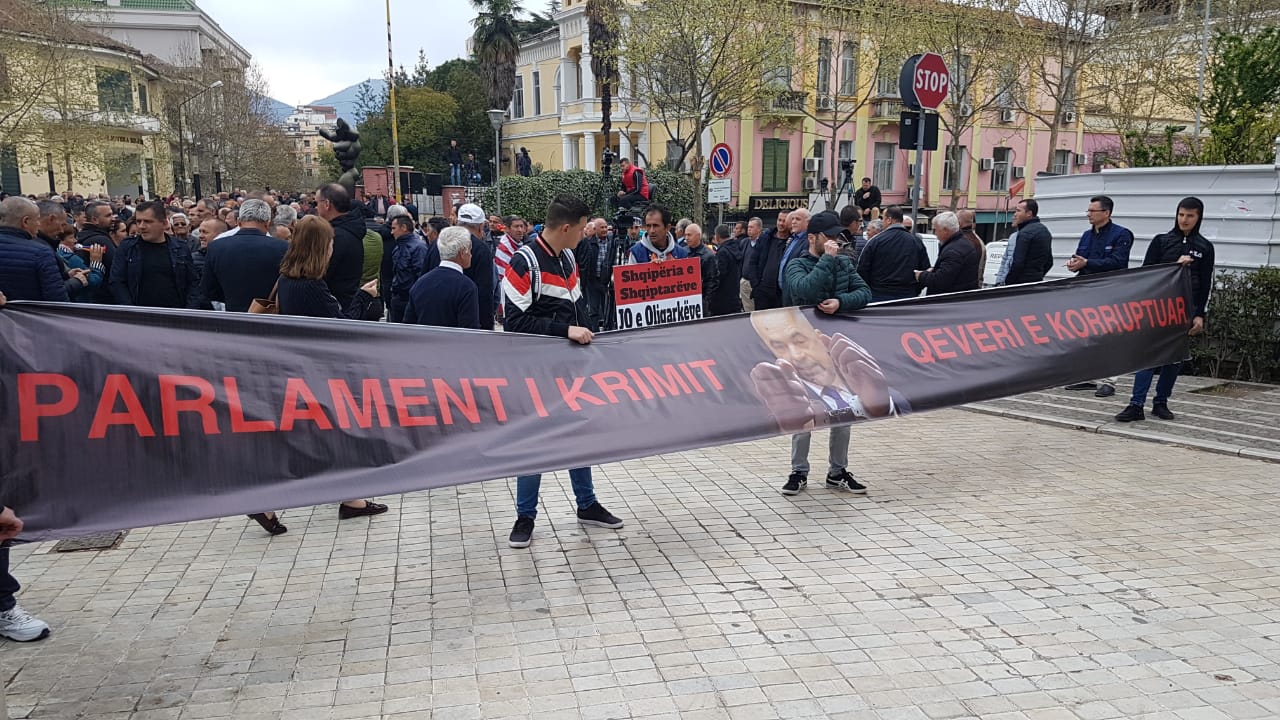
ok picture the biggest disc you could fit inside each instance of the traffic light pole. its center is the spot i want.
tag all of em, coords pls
(919, 169)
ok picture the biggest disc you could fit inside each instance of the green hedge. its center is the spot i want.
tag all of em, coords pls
(529, 196)
(1242, 332)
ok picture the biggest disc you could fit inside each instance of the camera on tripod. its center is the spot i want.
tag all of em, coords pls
(846, 166)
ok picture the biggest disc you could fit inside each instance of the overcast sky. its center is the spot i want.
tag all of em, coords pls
(312, 48)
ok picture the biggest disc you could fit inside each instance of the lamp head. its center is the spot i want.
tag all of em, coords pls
(496, 117)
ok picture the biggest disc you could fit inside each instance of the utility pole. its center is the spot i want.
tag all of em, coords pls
(395, 124)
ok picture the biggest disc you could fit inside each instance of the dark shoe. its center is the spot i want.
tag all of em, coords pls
(795, 483)
(846, 481)
(597, 516)
(1131, 413)
(270, 524)
(1105, 390)
(1161, 411)
(346, 512)
(522, 533)
(1081, 386)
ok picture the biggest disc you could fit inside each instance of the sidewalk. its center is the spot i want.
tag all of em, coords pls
(1221, 416)
(998, 570)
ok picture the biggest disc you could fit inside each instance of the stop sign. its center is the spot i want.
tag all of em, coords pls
(929, 80)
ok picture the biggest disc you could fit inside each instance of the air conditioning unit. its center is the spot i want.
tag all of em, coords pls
(1082, 159)
(810, 184)
(1019, 172)
(1006, 116)
(826, 102)
(966, 109)
(1068, 117)
(985, 164)
(812, 164)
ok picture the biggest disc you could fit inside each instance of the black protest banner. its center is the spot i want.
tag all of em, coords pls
(113, 417)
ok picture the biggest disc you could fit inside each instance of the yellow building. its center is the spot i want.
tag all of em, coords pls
(93, 125)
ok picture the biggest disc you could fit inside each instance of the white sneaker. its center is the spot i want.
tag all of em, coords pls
(18, 624)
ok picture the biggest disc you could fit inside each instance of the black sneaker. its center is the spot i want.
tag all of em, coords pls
(597, 516)
(1105, 390)
(1161, 411)
(795, 483)
(522, 533)
(1131, 413)
(845, 481)
(1081, 386)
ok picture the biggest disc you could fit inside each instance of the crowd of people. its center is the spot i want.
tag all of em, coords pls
(324, 254)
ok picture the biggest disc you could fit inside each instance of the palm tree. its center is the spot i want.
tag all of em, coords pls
(602, 26)
(497, 47)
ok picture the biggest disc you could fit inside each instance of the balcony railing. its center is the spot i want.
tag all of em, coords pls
(790, 102)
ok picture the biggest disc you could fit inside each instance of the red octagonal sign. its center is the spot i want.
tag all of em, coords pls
(931, 81)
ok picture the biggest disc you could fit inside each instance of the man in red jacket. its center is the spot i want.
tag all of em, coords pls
(635, 186)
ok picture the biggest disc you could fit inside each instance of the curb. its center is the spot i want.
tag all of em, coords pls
(1108, 428)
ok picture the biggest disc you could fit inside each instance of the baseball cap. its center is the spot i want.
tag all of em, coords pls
(471, 214)
(396, 211)
(825, 223)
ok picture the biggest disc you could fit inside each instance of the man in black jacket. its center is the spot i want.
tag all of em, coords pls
(727, 298)
(98, 220)
(453, 157)
(1031, 254)
(957, 266)
(889, 261)
(751, 261)
(595, 257)
(1186, 246)
(153, 269)
(333, 203)
(868, 200)
(767, 292)
(241, 267)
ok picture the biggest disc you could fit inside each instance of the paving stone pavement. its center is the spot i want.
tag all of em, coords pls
(999, 569)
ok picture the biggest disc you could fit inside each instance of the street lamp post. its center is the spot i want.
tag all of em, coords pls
(495, 118)
(182, 137)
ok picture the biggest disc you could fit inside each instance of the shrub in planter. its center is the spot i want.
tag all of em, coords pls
(1242, 331)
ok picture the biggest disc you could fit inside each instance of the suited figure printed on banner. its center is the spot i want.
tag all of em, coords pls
(816, 379)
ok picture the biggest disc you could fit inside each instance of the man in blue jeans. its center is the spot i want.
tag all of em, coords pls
(1185, 246)
(544, 297)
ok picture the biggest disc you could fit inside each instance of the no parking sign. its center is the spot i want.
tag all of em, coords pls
(721, 160)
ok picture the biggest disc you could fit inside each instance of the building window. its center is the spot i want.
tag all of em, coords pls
(780, 78)
(1061, 162)
(10, 177)
(1000, 169)
(846, 149)
(849, 69)
(887, 79)
(307, 158)
(953, 168)
(824, 66)
(311, 173)
(774, 165)
(517, 100)
(537, 93)
(115, 91)
(144, 104)
(1006, 92)
(306, 143)
(882, 168)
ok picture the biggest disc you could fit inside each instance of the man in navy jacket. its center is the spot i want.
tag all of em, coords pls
(244, 266)
(1103, 247)
(446, 297)
(28, 268)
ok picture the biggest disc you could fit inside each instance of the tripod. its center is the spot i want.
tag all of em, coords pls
(846, 188)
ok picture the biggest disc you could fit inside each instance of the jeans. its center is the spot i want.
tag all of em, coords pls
(1164, 388)
(455, 174)
(8, 583)
(837, 456)
(527, 491)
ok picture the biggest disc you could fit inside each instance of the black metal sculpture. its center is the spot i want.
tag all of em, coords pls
(346, 148)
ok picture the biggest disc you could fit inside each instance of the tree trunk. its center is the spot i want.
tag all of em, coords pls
(1053, 139)
(66, 160)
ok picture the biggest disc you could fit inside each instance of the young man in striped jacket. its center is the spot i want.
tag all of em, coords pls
(543, 296)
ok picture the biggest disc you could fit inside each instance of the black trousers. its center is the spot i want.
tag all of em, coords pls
(8, 583)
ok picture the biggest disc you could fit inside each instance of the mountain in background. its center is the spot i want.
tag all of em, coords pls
(279, 111)
(345, 100)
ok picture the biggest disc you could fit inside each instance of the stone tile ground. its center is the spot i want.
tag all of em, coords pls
(998, 569)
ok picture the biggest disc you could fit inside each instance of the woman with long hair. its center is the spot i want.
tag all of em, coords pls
(301, 290)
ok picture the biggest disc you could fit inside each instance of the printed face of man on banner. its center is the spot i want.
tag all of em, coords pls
(817, 379)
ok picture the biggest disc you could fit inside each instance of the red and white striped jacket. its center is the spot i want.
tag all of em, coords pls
(542, 292)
